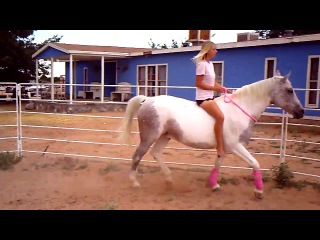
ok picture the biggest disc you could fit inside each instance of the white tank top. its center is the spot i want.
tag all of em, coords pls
(206, 69)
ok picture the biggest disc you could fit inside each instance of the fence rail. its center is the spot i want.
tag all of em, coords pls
(20, 137)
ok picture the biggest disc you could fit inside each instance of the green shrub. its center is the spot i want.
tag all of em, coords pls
(282, 175)
(8, 160)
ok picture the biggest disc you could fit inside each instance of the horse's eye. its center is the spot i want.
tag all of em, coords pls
(290, 90)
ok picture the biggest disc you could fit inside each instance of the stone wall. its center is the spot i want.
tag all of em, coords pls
(75, 107)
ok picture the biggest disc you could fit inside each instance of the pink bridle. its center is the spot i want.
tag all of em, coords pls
(230, 100)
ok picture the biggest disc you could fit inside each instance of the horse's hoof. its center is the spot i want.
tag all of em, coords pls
(215, 187)
(258, 193)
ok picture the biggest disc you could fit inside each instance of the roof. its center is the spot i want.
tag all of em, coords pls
(84, 51)
(93, 52)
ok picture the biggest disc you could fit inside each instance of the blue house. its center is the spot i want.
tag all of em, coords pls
(154, 72)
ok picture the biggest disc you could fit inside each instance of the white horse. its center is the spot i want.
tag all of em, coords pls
(164, 117)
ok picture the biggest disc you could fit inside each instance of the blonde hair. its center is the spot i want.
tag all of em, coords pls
(205, 47)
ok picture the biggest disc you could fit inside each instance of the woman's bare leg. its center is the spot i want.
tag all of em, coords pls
(213, 109)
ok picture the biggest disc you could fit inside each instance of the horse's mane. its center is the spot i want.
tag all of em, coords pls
(256, 90)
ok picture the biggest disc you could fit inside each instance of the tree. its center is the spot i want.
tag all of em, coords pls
(279, 33)
(43, 66)
(16, 49)
(174, 44)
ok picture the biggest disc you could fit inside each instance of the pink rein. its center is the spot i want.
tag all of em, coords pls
(230, 100)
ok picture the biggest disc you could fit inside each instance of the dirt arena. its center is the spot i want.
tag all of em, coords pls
(66, 182)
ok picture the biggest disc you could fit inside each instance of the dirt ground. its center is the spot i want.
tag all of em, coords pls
(100, 182)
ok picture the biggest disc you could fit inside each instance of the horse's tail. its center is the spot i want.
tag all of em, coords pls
(132, 108)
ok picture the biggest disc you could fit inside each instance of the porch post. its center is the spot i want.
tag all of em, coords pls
(102, 79)
(37, 77)
(52, 81)
(70, 78)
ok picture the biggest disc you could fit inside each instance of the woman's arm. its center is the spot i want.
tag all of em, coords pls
(199, 83)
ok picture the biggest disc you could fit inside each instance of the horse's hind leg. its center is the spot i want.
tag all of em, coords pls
(243, 153)
(141, 150)
(156, 152)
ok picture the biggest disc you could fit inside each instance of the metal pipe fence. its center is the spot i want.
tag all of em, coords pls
(21, 138)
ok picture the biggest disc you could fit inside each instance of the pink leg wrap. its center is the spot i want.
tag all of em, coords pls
(213, 178)
(258, 179)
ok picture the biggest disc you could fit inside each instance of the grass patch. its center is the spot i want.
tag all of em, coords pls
(302, 147)
(148, 169)
(42, 119)
(282, 175)
(314, 130)
(110, 206)
(265, 177)
(109, 168)
(275, 144)
(8, 160)
(295, 135)
(81, 167)
(305, 161)
(233, 181)
(197, 170)
(315, 150)
(293, 129)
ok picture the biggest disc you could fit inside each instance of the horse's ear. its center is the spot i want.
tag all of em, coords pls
(277, 73)
(288, 75)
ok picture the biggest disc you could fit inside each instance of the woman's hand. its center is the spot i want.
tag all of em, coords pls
(224, 89)
(229, 91)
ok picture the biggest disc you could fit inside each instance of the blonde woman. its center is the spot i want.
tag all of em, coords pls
(205, 87)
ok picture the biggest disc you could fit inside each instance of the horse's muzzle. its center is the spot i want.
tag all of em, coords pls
(298, 114)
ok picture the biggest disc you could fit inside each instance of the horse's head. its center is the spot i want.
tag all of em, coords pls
(285, 97)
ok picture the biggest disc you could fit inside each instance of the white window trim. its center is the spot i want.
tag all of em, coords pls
(222, 70)
(266, 66)
(146, 76)
(308, 83)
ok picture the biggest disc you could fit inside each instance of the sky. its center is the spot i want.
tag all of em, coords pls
(126, 38)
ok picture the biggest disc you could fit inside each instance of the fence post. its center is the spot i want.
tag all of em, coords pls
(283, 140)
(19, 121)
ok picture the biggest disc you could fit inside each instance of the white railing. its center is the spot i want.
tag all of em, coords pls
(5, 127)
(21, 138)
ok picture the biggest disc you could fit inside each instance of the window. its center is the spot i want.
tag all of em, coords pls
(218, 69)
(193, 34)
(199, 34)
(141, 80)
(150, 77)
(162, 80)
(270, 67)
(312, 97)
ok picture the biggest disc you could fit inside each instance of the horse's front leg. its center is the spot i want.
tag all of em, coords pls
(213, 177)
(244, 154)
